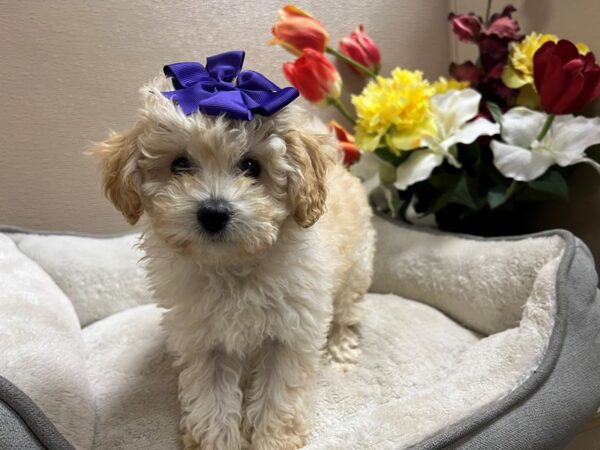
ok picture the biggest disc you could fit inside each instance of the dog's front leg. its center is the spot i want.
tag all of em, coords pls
(211, 401)
(278, 397)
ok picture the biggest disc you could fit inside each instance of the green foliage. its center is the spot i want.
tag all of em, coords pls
(499, 195)
(551, 185)
(454, 188)
(477, 188)
(496, 112)
(386, 154)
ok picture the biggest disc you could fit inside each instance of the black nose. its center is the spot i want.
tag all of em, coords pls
(213, 215)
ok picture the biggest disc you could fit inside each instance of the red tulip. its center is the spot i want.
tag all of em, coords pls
(565, 79)
(314, 76)
(297, 30)
(361, 49)
(347, 145)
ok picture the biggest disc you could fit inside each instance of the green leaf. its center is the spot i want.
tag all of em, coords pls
(499, 195)
(470, 154)
(458, 192)
(387, 155)
(553, 183)
(462, 194)
(496, 112)
(442, 201)
(444, 181)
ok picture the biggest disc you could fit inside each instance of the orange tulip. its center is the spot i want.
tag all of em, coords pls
(315, 76)
(297, 30)
(347, 145)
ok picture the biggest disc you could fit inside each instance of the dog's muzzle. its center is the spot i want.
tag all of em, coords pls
(214, 215)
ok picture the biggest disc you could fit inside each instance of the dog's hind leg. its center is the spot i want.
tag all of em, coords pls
(343, 339)
(343, 347)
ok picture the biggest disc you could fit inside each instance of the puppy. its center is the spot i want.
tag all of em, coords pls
(259, 244)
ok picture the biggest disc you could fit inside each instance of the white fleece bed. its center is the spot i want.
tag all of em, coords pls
(451, 326)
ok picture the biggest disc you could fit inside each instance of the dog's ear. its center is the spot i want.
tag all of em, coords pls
(120, 178)
(310, 157)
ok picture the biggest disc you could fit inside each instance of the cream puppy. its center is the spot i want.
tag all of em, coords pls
(259, 245)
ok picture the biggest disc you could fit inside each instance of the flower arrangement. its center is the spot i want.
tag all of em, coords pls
(498, 133)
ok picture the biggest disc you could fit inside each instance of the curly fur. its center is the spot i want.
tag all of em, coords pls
(250, 313)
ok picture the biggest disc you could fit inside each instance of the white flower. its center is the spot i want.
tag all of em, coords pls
(452, 112)
(523, 158)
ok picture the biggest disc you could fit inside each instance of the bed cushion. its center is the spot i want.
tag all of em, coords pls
(90, 271)
(41, 346)
(136, 395)
(465, 344)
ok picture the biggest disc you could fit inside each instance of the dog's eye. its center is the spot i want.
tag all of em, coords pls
(181, 165)
(250, 167)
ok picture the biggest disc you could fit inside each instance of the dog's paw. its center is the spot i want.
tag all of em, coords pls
(343, 348)
(222, 442)
(271, 442)
(246, 445)
(189, 443)
(342, 358)
(246, 429)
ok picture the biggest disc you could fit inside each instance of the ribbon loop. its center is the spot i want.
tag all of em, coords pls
(225, 66)
(220, 88)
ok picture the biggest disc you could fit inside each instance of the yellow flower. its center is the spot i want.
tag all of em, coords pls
(519, 70)
(396, 110)
(442, 85)
(583, 48)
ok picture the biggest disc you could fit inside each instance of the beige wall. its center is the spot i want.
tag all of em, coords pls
(71, 71)
(577, 20)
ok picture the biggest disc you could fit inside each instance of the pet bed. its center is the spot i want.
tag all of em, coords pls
(470, 343)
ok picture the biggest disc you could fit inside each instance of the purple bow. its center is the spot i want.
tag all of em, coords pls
(220, 88)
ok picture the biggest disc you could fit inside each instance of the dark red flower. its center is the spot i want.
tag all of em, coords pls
(493, 40)
(466, 71)
(503, 25)
(471, 28)
(467, 27)
(489, 84)
(565, 79)
(506, 12)
(494, 53)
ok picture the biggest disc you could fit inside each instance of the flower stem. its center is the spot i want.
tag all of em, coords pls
(356, 64)
(546, 127)
(341, 108)
(488, 11)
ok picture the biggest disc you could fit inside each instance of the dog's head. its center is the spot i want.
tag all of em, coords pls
(213, 187)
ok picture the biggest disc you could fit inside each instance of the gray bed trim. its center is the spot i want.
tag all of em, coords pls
(557, 399)
(23, 425)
